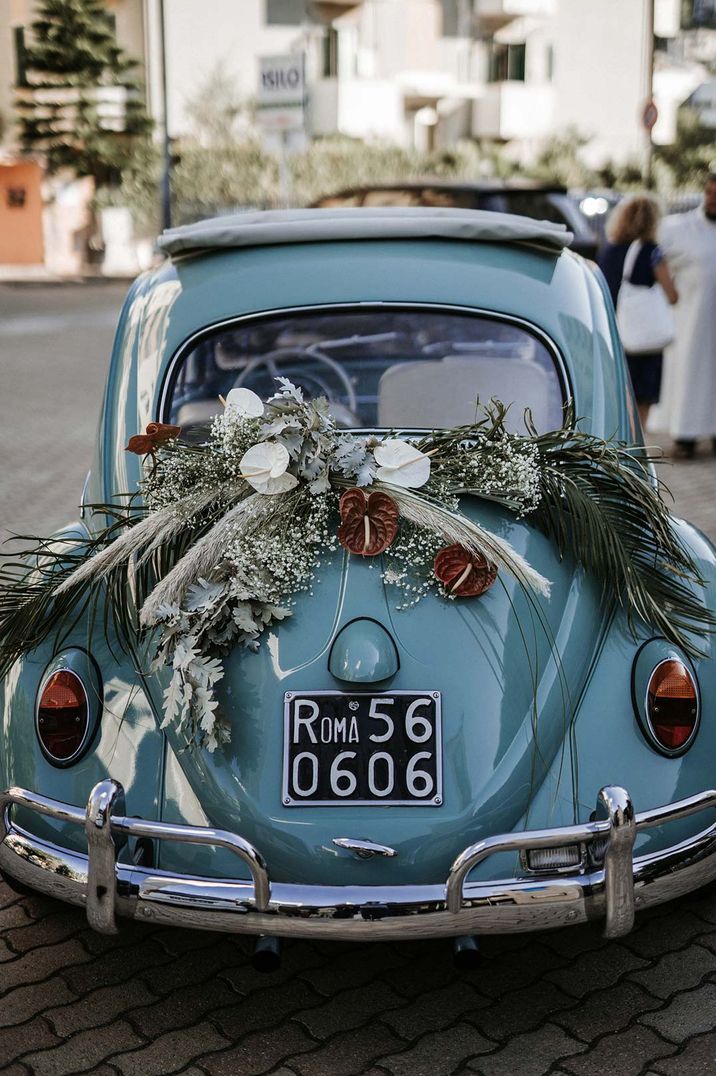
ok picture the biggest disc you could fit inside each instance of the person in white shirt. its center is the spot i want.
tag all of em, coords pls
(687, 408)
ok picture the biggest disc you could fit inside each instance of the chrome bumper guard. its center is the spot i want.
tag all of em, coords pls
(608, 885)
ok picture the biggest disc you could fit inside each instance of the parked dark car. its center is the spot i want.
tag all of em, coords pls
(538, 201)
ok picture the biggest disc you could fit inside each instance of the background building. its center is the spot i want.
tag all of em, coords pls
(416, 73)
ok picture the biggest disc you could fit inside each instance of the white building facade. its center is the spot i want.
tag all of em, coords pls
(417, 73)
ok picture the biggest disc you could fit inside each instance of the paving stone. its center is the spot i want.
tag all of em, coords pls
(7, 895)
(130, 933)
(347, 1054)
(506, 973)
(164, 975)
(15, 1070)
(708, 940)
(297, 958)
(677, 971)
(687, 1014)
(529, 1055)
(34, 966)
(176, 942)
(14, 915)
(666, 933)
(698, 1058)
(266, 1008)
(117, 966)
(16, 1041)
(262, 1052)
(24, 1002)
(48, 931)
(427, 970)
(499, 945)
(438, 1052)
(37, 905)
(625, 1053)
(182, 1007)
(434, 1009)
(594, 970)
(574, 941)
(521, 1011)
(355, 967)
(101, 1005)
(6, 953)
(171, 1052)
(83, 1052)
(703, 903)
(607, 1010)
(349, 1009)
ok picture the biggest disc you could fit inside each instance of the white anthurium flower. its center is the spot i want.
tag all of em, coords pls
(264, 467)
(246, 403)
(401, 464)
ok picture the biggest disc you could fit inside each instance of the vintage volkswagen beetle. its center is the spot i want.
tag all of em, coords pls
(559, 774)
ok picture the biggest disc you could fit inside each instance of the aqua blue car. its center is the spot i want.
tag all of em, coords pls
(428, 737)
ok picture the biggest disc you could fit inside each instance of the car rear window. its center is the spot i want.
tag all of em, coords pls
(386, 368)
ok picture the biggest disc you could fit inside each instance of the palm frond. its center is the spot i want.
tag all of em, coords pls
(600, 505)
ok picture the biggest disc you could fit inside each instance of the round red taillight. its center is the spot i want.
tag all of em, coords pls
(62, 716)
(672, 705)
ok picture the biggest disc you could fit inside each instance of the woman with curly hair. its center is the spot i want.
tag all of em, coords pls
(635, 220)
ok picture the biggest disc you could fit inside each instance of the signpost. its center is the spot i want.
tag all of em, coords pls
(280, 105)
(282, 93)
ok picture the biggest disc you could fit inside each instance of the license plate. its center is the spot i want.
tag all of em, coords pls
(362, 749)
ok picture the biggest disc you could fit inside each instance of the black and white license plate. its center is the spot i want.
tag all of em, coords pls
(362, 749)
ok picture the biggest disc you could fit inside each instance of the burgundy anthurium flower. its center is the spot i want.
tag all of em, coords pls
(157, 434)
(368, 523)
(463, 574)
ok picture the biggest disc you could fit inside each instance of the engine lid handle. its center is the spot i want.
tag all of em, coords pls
(364, 849)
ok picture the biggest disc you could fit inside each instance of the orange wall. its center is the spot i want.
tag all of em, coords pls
(21, 225)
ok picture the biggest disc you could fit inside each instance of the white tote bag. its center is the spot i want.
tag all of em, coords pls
(644, 316)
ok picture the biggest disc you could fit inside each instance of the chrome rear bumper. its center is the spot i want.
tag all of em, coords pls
(609, 885)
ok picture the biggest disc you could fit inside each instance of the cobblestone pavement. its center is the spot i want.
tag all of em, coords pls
(151, 1001)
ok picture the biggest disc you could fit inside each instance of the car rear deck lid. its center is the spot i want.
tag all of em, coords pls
(279, 226)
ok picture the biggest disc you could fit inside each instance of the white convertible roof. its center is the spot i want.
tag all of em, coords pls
(279, 226)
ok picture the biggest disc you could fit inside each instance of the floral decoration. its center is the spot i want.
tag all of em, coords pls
(368, 523)
(157, 434)
(228, 533)
(463, 574)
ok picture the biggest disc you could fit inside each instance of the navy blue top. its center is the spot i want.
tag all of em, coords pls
(611, 262)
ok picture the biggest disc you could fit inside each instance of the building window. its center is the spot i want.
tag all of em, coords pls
(329, 65)
(450, 18)
(285, 12)
(16, 197)
(18, 34)
(506, 62)
(457, 18)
